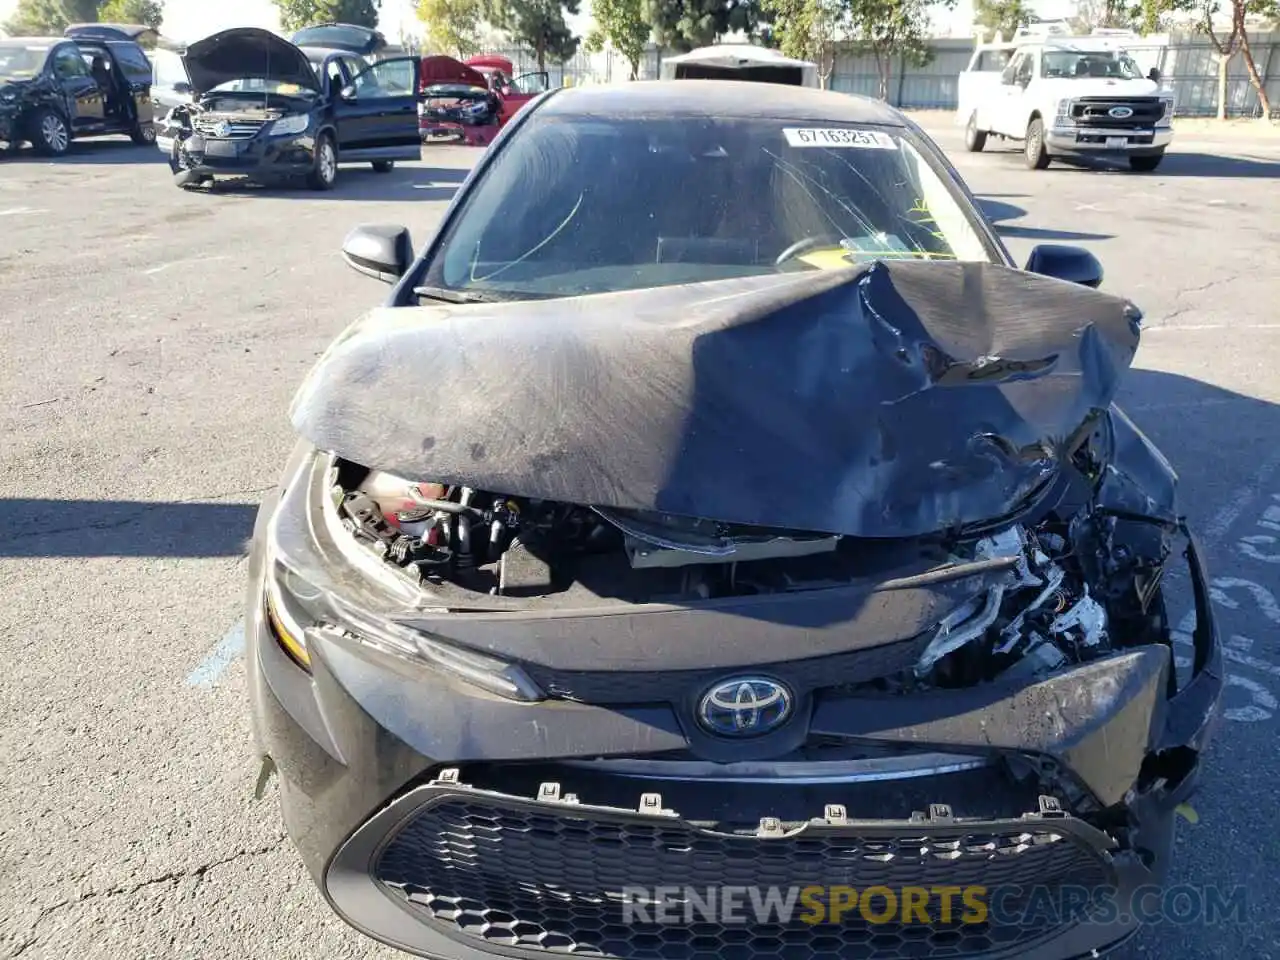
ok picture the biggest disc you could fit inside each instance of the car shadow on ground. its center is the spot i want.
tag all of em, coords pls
(117, 152)
(32, 527)
(999, 212)
(1240, 165)
(360, 183)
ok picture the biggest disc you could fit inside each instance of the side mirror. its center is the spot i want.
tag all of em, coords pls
(1154, 75)
(348, 94)
(1074, 264)
(381, 251)
(182, 87)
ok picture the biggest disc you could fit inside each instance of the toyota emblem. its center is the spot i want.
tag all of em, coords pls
(1120, 113)
(745, 707)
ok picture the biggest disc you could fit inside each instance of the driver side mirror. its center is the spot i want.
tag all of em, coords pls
(182, 87)
(348, 93)
(1154, 75)
(1073, 264)
(381, 251)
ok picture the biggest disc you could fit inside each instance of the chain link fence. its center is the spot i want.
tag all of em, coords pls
(1188, 65)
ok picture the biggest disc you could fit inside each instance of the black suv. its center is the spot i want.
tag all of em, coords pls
(94, 81)
(263, 111)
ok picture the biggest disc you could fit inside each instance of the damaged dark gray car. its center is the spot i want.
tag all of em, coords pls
(778, 544)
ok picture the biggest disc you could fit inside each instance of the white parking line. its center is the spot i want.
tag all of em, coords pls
(206, 675)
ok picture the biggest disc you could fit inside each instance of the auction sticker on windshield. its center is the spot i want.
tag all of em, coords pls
(839, 137)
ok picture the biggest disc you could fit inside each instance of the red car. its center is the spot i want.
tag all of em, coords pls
(470, 102)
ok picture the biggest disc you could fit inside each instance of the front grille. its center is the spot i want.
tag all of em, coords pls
(541, 878)
(1094, 112)
(239, 129)
(803, 676)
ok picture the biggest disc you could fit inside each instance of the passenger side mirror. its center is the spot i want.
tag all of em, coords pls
(1154, 75)
(381, 251)
(182, 87)
(348, 94)
(1074, 264)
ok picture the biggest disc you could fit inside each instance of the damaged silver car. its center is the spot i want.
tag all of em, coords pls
(714, 505)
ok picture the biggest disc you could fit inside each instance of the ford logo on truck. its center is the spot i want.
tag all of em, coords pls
(1120, 113)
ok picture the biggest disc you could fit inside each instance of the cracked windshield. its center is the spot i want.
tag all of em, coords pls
(594, 206)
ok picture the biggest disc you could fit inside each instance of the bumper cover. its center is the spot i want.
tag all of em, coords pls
(355, 740)
(1135, 141)
(263, 157)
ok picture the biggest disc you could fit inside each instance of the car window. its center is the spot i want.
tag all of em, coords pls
(68, 64)
(20, 61)
(1023, 72)
(333, 73)
(593, 205)
(531, 83)
(134, 63)
(993, 60)
(1093, 63)
(167, 69)
(387, 78)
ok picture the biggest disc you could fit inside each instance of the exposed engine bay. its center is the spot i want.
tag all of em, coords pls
(1055, 592)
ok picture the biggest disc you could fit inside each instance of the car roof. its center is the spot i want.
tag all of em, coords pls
(319, 53)
(733, 99)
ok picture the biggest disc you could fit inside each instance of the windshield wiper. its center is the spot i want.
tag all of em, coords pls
(445, 295)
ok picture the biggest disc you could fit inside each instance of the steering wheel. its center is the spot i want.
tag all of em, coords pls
(797, 248)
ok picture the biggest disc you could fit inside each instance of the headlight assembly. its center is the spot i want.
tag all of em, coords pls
(304, 601)
(291, 125)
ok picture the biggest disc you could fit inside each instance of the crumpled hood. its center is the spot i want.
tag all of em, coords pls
(247, 53)
(897, 399)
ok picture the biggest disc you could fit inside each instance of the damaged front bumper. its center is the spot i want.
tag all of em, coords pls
(451, 823)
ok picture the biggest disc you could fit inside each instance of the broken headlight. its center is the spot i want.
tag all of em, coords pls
(313, 593)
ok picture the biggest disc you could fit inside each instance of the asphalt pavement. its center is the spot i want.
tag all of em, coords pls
(152, 340)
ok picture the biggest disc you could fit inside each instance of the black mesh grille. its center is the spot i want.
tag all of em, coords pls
(1096, 112)
(545, 881)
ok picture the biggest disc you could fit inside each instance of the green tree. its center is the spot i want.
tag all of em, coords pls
(1000, 16)
(809, 30)
(892, 28)
(296, 14)
(537, 24)
(620, 24)
(453, 26)
(685, 24)
(34, 18)
(150, 12)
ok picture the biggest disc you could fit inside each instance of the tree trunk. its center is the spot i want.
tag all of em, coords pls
(1259, 87)
(542, 55)
(1224, 60)
(882, 67)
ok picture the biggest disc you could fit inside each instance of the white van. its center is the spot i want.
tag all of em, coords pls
(731, 61)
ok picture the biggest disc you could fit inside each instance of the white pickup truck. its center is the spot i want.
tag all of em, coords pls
(1066, 96)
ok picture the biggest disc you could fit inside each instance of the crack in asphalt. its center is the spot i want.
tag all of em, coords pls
(197, 872)
(1201, 288)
